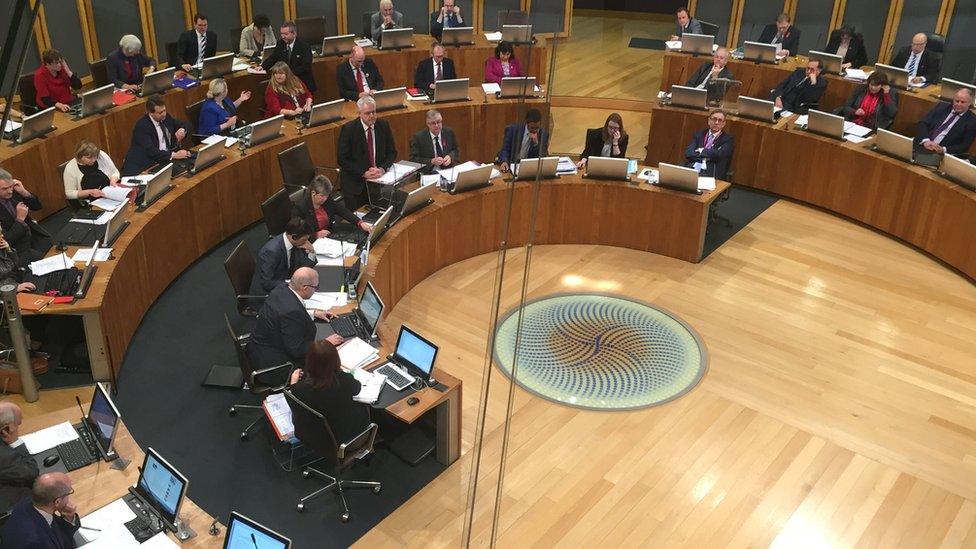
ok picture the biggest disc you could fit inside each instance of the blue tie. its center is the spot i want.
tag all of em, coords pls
(912, 64)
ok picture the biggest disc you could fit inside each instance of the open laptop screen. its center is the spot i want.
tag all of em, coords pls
(103, 418)
(415, 350)
(162, 487)
(370, 307)
(244, 533)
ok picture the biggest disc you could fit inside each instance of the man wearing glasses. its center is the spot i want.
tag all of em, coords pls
(802, 89)
(47, 519)
(365, 151)
(710, 150)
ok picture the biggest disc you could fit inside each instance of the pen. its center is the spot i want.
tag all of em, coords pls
(90, 528)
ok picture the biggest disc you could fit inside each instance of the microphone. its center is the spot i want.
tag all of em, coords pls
(797, 85)
(749, 86)
(681, 75)
(254, 540)
(78, 400)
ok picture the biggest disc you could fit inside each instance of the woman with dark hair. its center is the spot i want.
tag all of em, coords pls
(319, 211)
(503, 64)
(872, 105)
(849, 45)
(328, 390)
(256, 36)
(610, 140)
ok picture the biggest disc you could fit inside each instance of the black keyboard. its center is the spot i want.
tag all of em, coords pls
(393, 376)
(142, 528)
(75, 454)
(63, 282)
(344, 326)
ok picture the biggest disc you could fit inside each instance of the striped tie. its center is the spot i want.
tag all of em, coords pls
(203, 47)
(912, 64)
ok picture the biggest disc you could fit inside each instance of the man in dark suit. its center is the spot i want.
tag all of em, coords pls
(296, 53)
(358, 76)
(782, 32)
(285, 329)
(710, 151)
(365, 151)
(526, 140)
(429, 71)
(282, 255)
(706, 75)
(800, 89)
(17, 468)
(918, 61)
(46, 520)
(685, 23)
(448, 17)
(28, 238)
(435, 147)
(949, 128)
(156, 139)
(196, 44)
(385, 18)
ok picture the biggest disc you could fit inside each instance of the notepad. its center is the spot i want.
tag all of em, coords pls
(279, 414)
(48, 438)
(371, 384)
(491, 88)
(50, 264)
(355, 353)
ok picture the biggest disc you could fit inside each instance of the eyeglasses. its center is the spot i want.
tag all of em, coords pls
(315, 287)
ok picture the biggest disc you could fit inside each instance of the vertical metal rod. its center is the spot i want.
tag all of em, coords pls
(18, 338)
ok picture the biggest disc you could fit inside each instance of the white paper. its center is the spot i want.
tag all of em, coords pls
(364, 43)
(47, 265)
(356, 353)
(326, 300)
(239, 66)
(491, 87)
(371, 383)
(801, 120)
(107, 524)
(856, 129)
(418, 98)
(84, 254)
(107, 203)
(396, 172)
(706, 183)
(100, 220)
(855, 139)
(493, 36)
(673, 44)
(278, 409)
(119, 194)
(216, 138)
(856, 74)
(430, 179)
(451, 174)
(565, 166)
(12, 126)
(648, 174)
(49, 437)
(328, 248)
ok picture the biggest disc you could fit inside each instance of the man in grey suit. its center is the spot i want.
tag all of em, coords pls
(17, 468)
(386, 18)
(686, 23)
(435, 147)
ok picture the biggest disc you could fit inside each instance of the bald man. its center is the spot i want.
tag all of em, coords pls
(358, 76)
(17, 468)
(46, 520)
(918, 61)
(949, 128)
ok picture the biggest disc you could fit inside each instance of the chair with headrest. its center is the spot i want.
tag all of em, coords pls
(277, 211)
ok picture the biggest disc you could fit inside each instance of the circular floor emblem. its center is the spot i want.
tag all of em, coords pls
(601, 352)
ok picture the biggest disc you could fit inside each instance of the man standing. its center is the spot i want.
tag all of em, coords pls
(526, 140)
(365, 151)
(17, 468)
(358, 76)
(435, 147)
(28, 238)
(53, 82)
(801, 89)
(294, 52)
(685, 23)
(46, 520)
(711, 149)
(437, 67)
(948, 128)
(782, 32)
(196, 43)
(921, 64)
(156, 139)
(386, 18)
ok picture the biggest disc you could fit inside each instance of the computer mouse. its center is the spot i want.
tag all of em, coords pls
(411, 401)
(50, 460)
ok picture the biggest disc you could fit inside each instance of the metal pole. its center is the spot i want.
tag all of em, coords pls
(18, 337)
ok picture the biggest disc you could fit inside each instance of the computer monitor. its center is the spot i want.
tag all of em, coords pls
(686, 96)
(518, 86)
(469, 180)
(103, 417)
(394, 98)
(893, 144)
(265, 130)
(323, 113)
(36, 125)
(697, 43)
(157, 82)
(826, 124)
(677, 177)
(605, 167)
(758, 109)
(949, 87)
(417, 199)
(961, 171)
(379, 227)
(831, 63)
(338, 46)
(530, 168)
(208, 156)
(457, 36)
(244, 533)
(415, 352)
(217, 66)
(87, 275)
(117, 223)
(162, 488)
(396, 39)
(370, 309)
(159, 183)
(517, 34)
(897, 76)
(760, 52)
(455, 89)
(97, 101)
(266, 53)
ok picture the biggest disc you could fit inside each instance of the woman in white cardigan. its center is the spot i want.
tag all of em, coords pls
(88, 172)
(257, 36)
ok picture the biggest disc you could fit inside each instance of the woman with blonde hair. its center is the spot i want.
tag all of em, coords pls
(88, 172)
(218, 113)
(286, 93)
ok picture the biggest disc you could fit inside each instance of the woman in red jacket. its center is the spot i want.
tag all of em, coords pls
(286, 93)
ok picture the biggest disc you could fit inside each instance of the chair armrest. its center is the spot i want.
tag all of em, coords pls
(271, 369)
(248, 296)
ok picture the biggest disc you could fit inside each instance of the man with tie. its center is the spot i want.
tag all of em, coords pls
(711, 150)
(921, 64)
(48, 519)
(17, 468)
(156, 139)
(782, 32)
(196, 44)
(358, 76)
(709, 71)
(385, 18)
(685, 23)
(801, 89)
(527, 140)
(282, 255)
(29, 239)
(949, 128)
(365, 151)
(294, 52)
(448, 17)
(435, 68)
(435, 147)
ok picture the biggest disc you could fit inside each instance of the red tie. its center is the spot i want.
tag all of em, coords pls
(437, 73)
(359, 80)
(369, 147)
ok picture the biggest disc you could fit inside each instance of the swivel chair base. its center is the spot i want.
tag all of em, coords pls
(337, 485)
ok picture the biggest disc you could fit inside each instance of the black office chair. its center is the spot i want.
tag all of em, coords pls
(277, 211)
(252, 378)
(99, 73)
(172, 56)
(512, 17)
(193, 119)
(367, 24)
(74, 204)
(936, 46)
(239, 267)
(314, 431)
(28, 94)
(311, 29)
(709, 28)
(235, 39)
(296, 167)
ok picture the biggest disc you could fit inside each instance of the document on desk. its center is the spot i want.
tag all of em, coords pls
(328, 251)
(228, 141)
(801, 120)
(855, 74)
(49, 437)
(451, 174)
(397, 172)
(107, 524)
(856, 129)
(355, 353)
(84, 254)
(239, 66)
(566, 166)
(279, 414)
(673, 44)
(491, 87)
(51, 264)
(371, 383)
(112, 198)
(493, 36)
(706, 183)
(12, 126)
(100, 220)
(855, 139)
(326, 300)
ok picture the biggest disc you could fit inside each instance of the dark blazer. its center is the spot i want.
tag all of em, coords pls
(115, 67)
(17, 473)
(21, 235)
(594, 144)
(27, 529)
(273, 268)
(335, 208)
(856, 55)
(423, 76)
(717, 158)
(791, 41)
(187, 46)
(300, 61)
(512, 144)
(884, 114)
(702, 73)
(796, 90)
(928, 65)
(437, 29)
(346, 79)
(352, 155)
(144, 147)
(694, 27)
(422, 148)
(346, 417)
(959, 138)
(283, 332)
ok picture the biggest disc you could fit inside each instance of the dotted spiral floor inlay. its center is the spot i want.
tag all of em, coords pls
(600, 352)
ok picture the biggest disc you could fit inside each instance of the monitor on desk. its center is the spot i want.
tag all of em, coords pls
(217, 66)
(893, 144)
(518, 86)
(323, 113)
(760, 52)
(826, 124)
(897, 76)
(209, 155)
(265, 130)
(455, 89)
(103, 419)
(415, 353)
(338, 46)
(117, 223)
(37, 125)
(697, 43)
(396, 39)
(678, 178)
(457, 36)
(161, 487)
(961, 171)
(605, 167)
(831, 63)
(517, 34)
(157, 82)
(159, 183)
(686, 96)
(379, 227)
(267, 52)
(532, 168)
(758, 109)
(394, 98)
(469, 180)
(370, 309)
(244, 533)
(950, 87)
(97, 101)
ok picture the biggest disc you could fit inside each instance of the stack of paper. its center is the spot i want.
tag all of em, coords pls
(48, 438)
(801, 120)
(356, 353)
(371, 385)
(50, 264)
(397, 172)
(855, 74)
(112, 197)
(240, 65)
(451, 174)
(856, 129)
(279, 414)
(491, 88)
(364, 43)
(84, 254)
(648, 174)
(493, 36)
(326, 300)
(855, 139)
(673, 44)
(12, 126)
(706, 183)
(328, 251)
(566, 166)
(228, 141)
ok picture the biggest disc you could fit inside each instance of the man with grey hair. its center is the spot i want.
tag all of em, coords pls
(435, 147)
(949, 128)
(366, 149)
(385, 18)
(125, 65)
(26, 237)
(295, 53)
(358, 76)
(17, 468)
(46, 520)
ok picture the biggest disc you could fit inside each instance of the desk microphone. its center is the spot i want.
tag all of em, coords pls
(681, 75)
(749, 87)
(78, 400)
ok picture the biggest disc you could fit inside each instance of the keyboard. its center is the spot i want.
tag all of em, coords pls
(62, 282)
(393, 377)
(142, 528)
(343, 326)
(74, 454)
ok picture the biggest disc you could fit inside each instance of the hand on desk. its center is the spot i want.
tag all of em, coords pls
(323, 315)
(929, 145)
(179, 155)
(61, 107)
(187, 67)
(503, 167)
(25, 287)
(373, 173)
(581, 164)
(335, 339)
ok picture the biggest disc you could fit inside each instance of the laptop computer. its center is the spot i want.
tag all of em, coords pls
(895, 145)
(208, 156)
(323, 113)
(337, 46)
(379, 228)
(394, 98)
(517, 34)
(244, 533)
(469, 180)
(961, 171)
(157, 82)
(529, 168)
(396, 39)
(266, 53)
(158, 184)
(455, 89)
(158, 494)
(832, 64)
(949, 87)
(604, 167)
(415, 200)
(518, 86)
(362, 321)
(412, 357)
(457, 36)
(96, 434)
(760, 52)
(697, 44)
(87, 274)
(36, 125)
(678, 178)
(217, 66)
(823, 123)
(757, 109)
(897, 76)
(97, 101)
(685, 96)
(264, 130)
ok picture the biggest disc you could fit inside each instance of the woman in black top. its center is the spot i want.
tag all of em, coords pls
(319, 211)
(610, 140)
(851, 45)
(328, 390)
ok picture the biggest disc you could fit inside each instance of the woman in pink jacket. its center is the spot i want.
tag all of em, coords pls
(503, 64)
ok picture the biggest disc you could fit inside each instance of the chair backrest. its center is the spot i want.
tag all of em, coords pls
(367, 24)
(936, 43)
(74, 204)
(296, 166)
(311, 29)
(235, 39)
(296, 195)
(239, 345)
(27, 92)
(313, 429)
(277, 211)
(171, 54)
(99, 73)
(193, 115)
(709, 28)
(512, 17)
(239, 266)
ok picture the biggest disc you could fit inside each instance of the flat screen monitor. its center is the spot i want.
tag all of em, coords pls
(455, 89)
(760, 52)
(158, 184)
(831, 63)
(950, 87)
(394, 98)
(209, 155)
(686, 96)
(518, 86)
(959, 170)
(517, 34)
(396, 39)
(897, 76)
(157, 82)
(103, 418)
(532, 168)
(217, 66)
(380, 226)
(117, 223)
(323, 113)
(893, 144)
(370, 308)
(826, 124)
(162, 488)
(265, 130)
(244, 533)
(37, 125)
(604, 167)
(338, 45)
(677, 177)
(457, 36)
(698, 44)
(97, 101)
(266, 53)
(416, 199)
(758, 109)
(415, 352)
(469, 180)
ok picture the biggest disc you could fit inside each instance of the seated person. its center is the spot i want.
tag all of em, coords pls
(27, 238)
(257, 36)
(53, 82)
(503, 64)
(359, 76)
(685, 23)
(949, 128)
(90, 171)
(437, 67)
(296, 53)
(286, 93)
(710, 150)
(872, 105)
(921, 64)
(48, 519)
(849, 46)
(320, 210)
(435, 147)
(282, 255)
(323, 386)
(125, 65)
(155, 140)
(385, 18)
(196, 44)
(17, 468)
(11, 273)
(801, 89)
(709, 71)
(448, 17)
(357, 161)
(218, 114)
(525, 140)
(782, 32)
(610, 140)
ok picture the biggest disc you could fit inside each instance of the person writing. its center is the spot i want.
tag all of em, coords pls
(286, 94)
(218, 114)
(89, 172)
(610, 140)
(504, 64)
(319, 210)
(256, 36)
(872, 105)
(53, 82)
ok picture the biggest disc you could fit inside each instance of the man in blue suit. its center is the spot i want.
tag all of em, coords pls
(156, 139)
(710, 151)
(46, 520)
(949, 128)
(526, 140)
(284, 254)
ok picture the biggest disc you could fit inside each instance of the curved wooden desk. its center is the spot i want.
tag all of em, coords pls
(908, 202)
